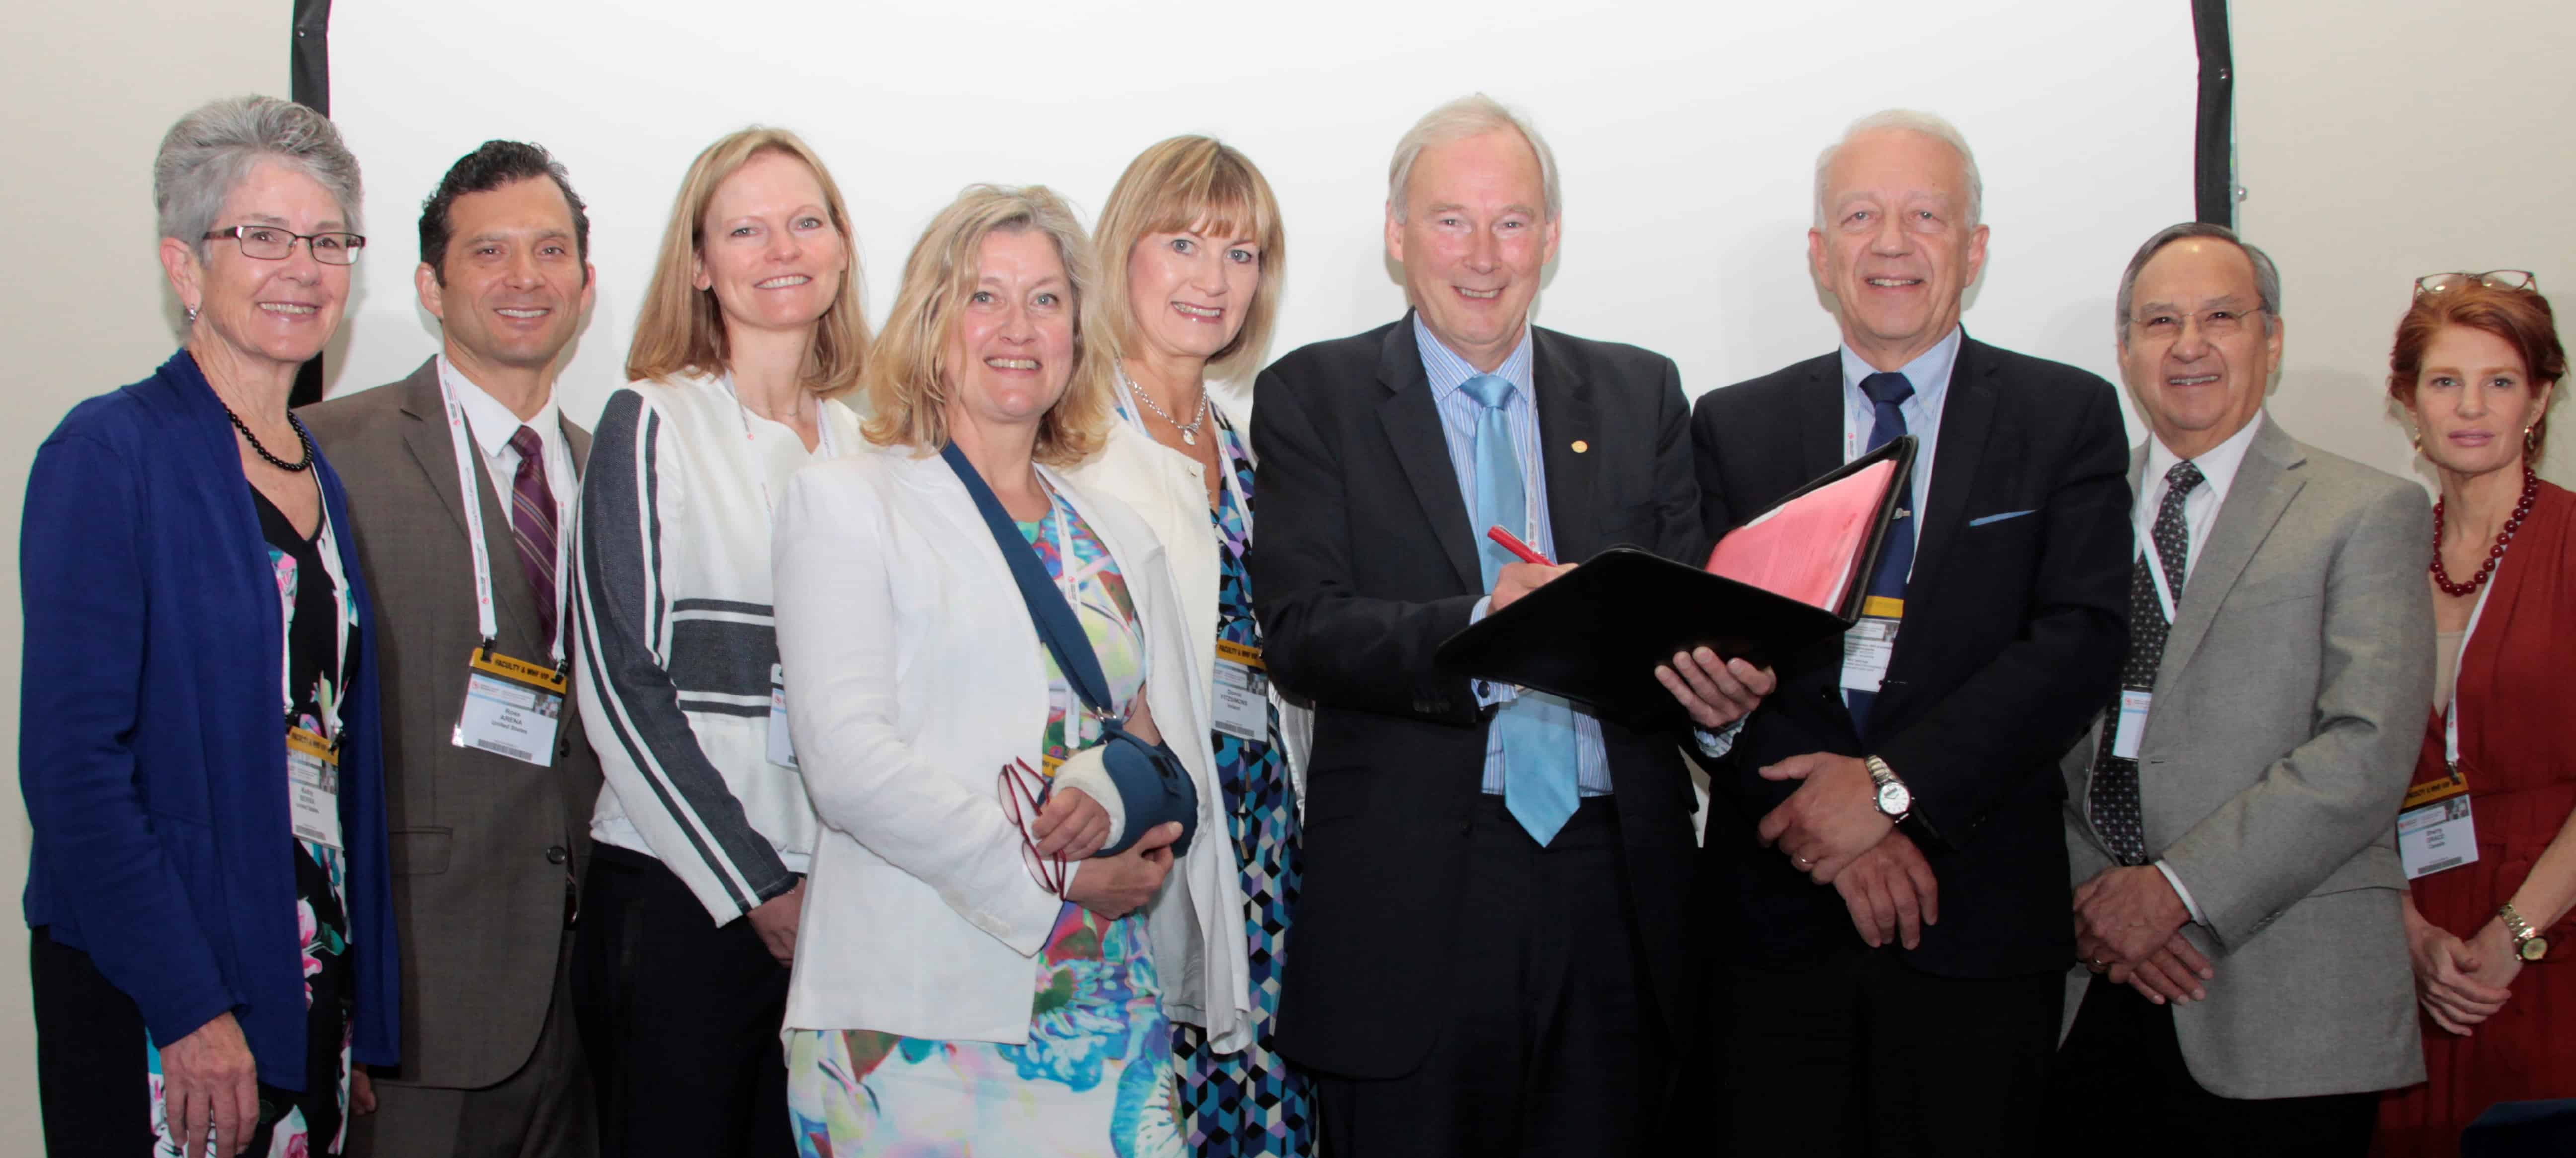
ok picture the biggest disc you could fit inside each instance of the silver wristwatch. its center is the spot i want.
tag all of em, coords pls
(1894, 800)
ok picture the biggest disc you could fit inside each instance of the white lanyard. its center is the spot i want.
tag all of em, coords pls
(470, 497)
(2156, 575)
(2143, 526)
(2451, 712)
(327, 545)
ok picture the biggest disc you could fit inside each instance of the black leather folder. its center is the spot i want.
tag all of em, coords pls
(1595, 635)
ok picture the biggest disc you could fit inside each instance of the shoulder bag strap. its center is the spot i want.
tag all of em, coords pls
(1048, 611)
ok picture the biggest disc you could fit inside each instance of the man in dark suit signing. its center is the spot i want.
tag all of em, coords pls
(489, 782)
(1884, 864)
(1489, 952)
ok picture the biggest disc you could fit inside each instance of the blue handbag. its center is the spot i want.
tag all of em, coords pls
(1153, 787)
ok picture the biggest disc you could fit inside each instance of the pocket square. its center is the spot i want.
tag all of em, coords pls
(1982, 520)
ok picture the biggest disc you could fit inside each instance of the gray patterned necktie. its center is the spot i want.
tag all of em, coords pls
(2113, 795)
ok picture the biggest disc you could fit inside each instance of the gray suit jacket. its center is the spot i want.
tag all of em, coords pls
(2287, 714)
(483, 846)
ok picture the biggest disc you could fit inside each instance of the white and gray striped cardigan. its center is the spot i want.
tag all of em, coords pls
(671, 599)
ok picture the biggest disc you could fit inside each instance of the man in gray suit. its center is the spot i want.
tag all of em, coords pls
(2243, 986)
(490, 783)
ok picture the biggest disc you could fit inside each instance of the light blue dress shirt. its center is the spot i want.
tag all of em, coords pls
(1458, 413)
(1930, 374)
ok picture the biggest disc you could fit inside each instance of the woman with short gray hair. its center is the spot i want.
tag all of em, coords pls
(200, 761)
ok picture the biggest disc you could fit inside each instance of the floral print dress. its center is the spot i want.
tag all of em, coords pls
(1096, 1079)
(321, 626)
(1252, 1102)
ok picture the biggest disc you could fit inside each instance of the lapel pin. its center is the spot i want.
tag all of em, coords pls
(1580, 446)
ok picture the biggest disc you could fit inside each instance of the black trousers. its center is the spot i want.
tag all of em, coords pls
(91, 1081)
(1551, 1045)
(89, 1056)
(1866, 1055)
(2122, 1087)
(679, 1019)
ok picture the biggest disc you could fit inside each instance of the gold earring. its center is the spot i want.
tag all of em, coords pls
(2419, 441)
(2529, 444)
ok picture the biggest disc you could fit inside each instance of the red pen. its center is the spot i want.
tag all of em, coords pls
(1513, 544)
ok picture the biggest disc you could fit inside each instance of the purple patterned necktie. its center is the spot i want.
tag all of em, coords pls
(532, 525)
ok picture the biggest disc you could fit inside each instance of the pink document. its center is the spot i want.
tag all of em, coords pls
(1808, 548)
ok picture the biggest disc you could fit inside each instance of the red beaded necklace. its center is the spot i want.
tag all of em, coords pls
(2495, 554)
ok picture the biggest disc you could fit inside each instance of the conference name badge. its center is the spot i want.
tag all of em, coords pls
(1871, 643)
(2132, 725)
(1242, 692)
(782, 745)
(313, 787)
(512, 707)
(2434, 829)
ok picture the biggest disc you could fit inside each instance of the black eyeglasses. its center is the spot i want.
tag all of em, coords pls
(2503, 279)
(270, 243)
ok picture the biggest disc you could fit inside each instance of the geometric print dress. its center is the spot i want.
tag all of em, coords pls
(1250, 1103)
(318, 615)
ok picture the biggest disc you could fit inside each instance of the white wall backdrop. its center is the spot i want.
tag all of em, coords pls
(1686, 135)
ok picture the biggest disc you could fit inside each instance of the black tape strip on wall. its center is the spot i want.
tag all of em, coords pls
(309, 72)
(2213, 176)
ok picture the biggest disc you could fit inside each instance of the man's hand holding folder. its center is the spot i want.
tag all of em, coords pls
(1791, 577)
(1715, 692)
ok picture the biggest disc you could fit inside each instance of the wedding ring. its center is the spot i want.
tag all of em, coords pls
(2097, 964)
(1803, 863)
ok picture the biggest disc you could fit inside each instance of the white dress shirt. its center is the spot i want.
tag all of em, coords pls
(492, 424)
(2199, 513)
(2199, 508)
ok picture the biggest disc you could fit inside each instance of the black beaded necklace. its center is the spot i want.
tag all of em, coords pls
(301, 436)
(2495, 554)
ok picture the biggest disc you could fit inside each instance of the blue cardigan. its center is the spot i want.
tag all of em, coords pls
(151, 746)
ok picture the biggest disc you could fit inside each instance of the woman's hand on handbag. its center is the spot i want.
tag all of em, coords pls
(1115, 886)
(1072, 826)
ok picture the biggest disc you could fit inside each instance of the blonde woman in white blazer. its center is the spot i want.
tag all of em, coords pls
(1192, 254)
(946, 996)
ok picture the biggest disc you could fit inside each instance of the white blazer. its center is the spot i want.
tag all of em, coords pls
(913, 677)
(1164, 488)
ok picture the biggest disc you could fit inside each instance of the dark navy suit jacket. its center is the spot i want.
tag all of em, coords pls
(151, 746)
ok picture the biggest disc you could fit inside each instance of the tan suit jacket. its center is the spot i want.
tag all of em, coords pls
(2288, 708)
(483, 846)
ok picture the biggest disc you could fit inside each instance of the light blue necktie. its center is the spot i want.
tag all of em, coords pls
(1537, 729)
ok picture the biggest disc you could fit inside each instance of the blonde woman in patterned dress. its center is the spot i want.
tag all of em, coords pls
(969, 976)
(1192, 257)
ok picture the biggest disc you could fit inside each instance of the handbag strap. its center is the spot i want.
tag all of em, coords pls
(1049, 611)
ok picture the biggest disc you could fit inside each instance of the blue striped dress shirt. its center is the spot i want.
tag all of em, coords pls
(1458, 412)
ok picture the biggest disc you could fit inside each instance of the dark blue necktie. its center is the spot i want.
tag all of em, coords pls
(1896, 559)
